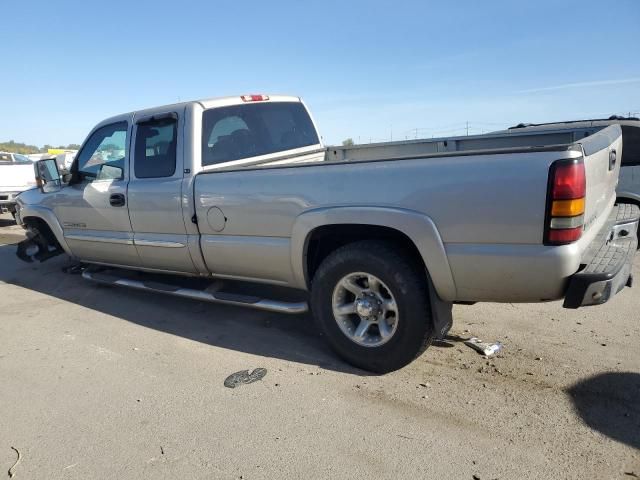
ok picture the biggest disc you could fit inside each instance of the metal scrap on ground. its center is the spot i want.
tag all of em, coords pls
(244, 377)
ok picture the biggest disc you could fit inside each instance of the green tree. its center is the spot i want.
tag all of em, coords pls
(348, 142)
(25, 149)
(17, 147)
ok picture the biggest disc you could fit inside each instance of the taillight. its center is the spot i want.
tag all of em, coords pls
(254, 98)
(566, 202)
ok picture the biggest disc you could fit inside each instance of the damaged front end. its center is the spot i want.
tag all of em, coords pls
(40, 244)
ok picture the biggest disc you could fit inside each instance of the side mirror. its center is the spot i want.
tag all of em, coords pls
(47, 175)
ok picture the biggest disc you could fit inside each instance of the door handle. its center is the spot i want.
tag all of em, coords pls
(613, 158)
(117, 200)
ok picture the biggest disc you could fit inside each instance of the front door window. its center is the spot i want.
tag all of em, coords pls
(103, 155)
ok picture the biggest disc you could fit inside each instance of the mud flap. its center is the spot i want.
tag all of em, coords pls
(36, 247)
(441, 312)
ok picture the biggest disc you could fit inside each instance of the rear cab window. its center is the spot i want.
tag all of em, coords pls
(249, 130)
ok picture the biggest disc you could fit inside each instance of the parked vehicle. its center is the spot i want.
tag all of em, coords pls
(242, 188)
(629, 185)
(16, 175)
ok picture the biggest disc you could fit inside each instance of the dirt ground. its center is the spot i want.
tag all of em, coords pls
(105, 383)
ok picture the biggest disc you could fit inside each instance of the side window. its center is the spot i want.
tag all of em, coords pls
(102, 157)
(155, 151)
(5, 158)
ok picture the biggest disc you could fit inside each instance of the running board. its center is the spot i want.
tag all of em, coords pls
(202, 295)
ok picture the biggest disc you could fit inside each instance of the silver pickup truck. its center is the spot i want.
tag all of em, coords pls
(211, 192)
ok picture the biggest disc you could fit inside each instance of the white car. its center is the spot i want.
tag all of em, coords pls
(16, 176)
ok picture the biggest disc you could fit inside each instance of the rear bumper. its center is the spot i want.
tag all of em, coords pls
(608, 262)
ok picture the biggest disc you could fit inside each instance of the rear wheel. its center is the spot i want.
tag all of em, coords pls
(372, 304)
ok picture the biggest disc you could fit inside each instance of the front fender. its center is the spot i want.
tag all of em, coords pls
(418, 227)
(46, 215)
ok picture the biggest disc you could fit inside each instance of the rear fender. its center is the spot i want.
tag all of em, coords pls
(419, 228)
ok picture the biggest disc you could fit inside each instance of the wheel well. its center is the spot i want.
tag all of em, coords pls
(42, 227)
(627, 200)
(324, 240)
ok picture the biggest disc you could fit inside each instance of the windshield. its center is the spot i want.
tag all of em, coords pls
(17, 158)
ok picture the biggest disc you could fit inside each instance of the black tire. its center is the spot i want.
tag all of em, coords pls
(407, 282)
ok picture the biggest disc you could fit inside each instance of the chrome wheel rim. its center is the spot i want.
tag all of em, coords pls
(365, 309)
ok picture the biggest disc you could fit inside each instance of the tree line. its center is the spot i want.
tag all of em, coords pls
(25, 149)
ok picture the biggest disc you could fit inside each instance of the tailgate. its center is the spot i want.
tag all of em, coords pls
(602, 153)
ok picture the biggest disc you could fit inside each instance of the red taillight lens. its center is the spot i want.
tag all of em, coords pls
(569, 181)
(566, 202)
(562, 236)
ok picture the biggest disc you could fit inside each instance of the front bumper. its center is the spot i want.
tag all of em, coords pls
(8, 201)
(608, 262)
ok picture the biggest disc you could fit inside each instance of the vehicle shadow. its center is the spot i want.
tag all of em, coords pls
(7, 222)
(610, 404)
(288, 337)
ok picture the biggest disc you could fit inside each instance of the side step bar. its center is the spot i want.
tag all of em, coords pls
(202, 295)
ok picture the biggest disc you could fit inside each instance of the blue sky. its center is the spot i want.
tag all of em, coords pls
(367, 69)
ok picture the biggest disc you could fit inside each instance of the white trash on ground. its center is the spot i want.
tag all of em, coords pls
(485, 348)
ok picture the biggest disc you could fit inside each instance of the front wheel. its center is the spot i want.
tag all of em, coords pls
(372, 303)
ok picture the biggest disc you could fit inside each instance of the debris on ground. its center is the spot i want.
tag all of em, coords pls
(12, 469)
(243, 377)
(484, 348)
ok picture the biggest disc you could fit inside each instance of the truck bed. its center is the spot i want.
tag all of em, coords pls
(483, 200)
(473, 144)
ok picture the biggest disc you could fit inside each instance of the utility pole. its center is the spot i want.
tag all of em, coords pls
(467, 128)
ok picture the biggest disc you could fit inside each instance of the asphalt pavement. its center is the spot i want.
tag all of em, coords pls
(102, 382)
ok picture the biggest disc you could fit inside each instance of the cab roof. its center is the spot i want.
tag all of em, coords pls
(205, 103)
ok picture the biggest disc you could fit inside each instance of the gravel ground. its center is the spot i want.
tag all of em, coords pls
(102, 382)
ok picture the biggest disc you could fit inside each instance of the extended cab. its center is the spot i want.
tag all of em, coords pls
(241, 188)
